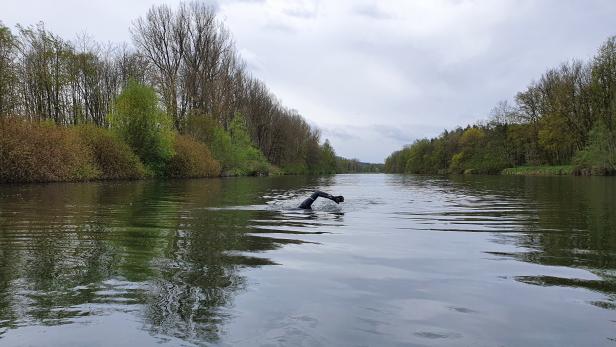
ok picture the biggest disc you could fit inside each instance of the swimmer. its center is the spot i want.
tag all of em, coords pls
(307, 204)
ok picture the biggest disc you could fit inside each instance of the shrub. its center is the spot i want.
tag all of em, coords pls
(297, 168)
(599, 156)
(205, 129)
(113, 157)
(419, 157)
(233, 149)
(246, 159)
(191, 159)
(201, 127)
(43, 152)
(222, 148)
(138, 120)
(457, 161)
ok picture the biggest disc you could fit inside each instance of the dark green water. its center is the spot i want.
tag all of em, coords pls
(405, 261)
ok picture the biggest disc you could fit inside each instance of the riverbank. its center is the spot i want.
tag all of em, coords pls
(41, 151)
(44, 152)
(545, 170)
(556, 170)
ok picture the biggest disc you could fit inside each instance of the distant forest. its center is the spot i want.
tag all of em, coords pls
(567, 117)
(178, 102)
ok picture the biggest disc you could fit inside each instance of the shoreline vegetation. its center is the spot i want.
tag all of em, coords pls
(546, 170)
(177, 103)
(562, 124)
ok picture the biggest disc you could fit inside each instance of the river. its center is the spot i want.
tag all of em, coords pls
(404, 261)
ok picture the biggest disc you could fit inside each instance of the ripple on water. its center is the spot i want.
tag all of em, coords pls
(405, 260)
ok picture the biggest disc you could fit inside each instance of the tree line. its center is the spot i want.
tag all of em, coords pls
(202, 92)
(566, 117)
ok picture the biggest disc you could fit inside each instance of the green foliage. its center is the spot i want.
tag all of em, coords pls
(191, 159)
(233, 148)
(223, 148)
(473, 150)
(483, 151)
(113, 157)
(457, 163)
(327, 160)
(396, 162)
(297, 168)
(521, 144)
(239, 156)
(419, 157)
(137, 118)
(313, 155)
(344, 165)
(553, 139)
(603, 83)
(245, 158)
(600, 153)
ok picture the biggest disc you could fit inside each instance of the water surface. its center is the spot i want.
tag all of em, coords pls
(405, 261)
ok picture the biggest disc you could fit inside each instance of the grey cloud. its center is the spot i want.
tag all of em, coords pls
(370, 10)
(279, 27)
(342, 133)
(397, 133)
(406, 133)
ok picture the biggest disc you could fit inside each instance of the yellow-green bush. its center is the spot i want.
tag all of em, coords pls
(43, 152)
(138, 119)
(191, 159)
(113, 157)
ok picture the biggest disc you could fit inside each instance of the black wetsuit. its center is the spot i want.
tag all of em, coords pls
(308, 202)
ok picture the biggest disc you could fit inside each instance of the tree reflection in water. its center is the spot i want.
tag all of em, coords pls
(558, 221)
(151, 248)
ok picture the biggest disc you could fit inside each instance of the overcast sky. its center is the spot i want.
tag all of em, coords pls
(374, 75)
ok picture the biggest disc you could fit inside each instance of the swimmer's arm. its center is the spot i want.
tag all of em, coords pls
(308, 202)
(336, 199)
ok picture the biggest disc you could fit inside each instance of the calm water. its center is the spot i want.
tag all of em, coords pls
(405, 261)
